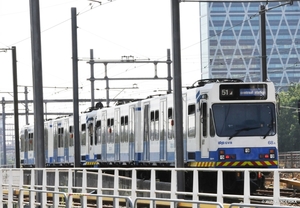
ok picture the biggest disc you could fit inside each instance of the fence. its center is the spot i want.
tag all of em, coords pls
(69, 186)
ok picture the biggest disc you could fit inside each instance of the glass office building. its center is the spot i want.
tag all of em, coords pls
(230, 41)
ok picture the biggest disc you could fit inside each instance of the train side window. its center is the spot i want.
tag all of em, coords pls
(170, 113)
(30, 141)
(131, 124)
(212, 130)
(152, 115)
(26, 138)
(171, 124)
(91, 133)
(71, 133)
(204, 116)
(110, 126)
(98, 132)
(60, 137)
(191, 120)
(125, 135)
(83, 134)
(156, 127)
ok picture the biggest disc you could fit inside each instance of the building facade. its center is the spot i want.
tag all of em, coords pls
(230, 41)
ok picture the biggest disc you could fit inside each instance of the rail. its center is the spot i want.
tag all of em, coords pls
(100, 184)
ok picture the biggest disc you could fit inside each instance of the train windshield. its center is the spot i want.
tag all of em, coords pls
(251, 119)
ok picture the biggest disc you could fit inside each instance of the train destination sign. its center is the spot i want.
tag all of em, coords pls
(243, 92)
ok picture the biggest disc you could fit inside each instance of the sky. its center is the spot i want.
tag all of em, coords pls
(113, 29)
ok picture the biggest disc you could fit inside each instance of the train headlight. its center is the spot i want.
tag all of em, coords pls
(247, 150)
(222, 157)
(272, 156)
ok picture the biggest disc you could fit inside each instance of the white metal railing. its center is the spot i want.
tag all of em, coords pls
(103, 182)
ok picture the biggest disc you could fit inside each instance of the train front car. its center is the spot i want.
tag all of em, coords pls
(238, 122)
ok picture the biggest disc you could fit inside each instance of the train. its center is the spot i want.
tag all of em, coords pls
(227, 123)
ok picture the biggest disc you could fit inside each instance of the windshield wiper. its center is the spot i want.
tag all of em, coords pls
(243, 129)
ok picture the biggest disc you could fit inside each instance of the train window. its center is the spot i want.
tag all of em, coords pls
(131, 124)
(98, 132)
(170, 113)
(91, 133)
(191, 121)
(83, 134)
(70, 129)
(244, 119)
(152, 116)
(108, 122)
(126, 120)
(98, 123)
(111, 122)
(156, 115)
(191, 109)
(30, 141)
(146, 126)
(204, 122)
(83, 127)
(60, 137)
(212, 130)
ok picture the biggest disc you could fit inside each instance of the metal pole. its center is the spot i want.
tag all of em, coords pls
(177, 92)
(77, 152)
(26, 105)
(107, 84)
(169, 71)
(3, 132)
(37, 77)
(16, 111)
(92, 79)
(263, 43)
(37, 84)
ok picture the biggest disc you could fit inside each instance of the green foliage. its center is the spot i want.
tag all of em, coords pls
(288, 124)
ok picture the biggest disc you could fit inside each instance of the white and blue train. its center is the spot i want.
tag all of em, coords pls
(226, 124)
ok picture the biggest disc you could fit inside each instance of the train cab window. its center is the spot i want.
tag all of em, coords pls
(204, 118)
(191, 120)
(212, 130)
(83, 134)
(98, 133)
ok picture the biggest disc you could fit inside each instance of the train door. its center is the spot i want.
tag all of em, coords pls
(71, 140)
(154, 135)
(98, 136)
(131, 132)
(104, 135)
(146, 132)
(204, 133)
(91, 137)
(60, 142)
(117, 134)
(124, 143)
(163, 130)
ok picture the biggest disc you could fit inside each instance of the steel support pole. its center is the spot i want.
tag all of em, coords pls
(77, 152)
(177, 92)
(263, 43)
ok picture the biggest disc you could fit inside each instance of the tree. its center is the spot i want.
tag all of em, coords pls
(288, 123)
